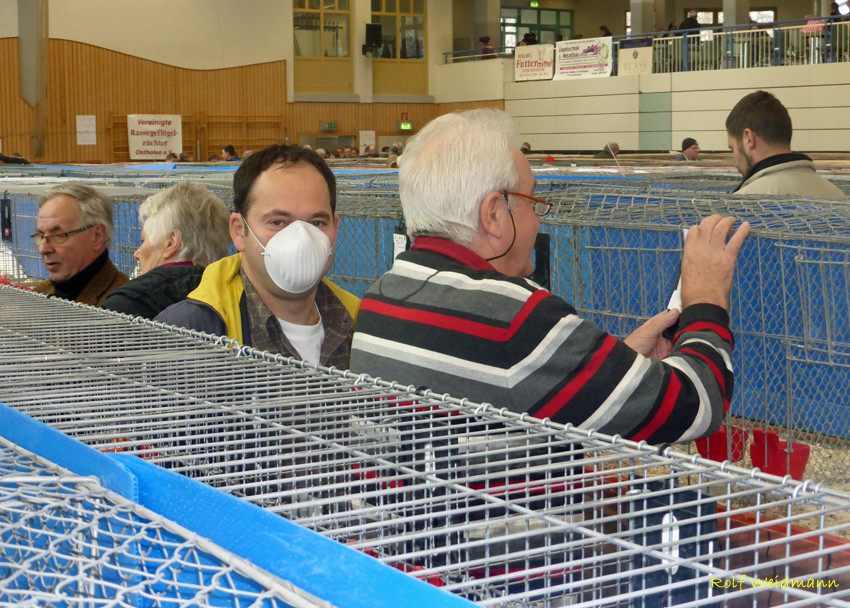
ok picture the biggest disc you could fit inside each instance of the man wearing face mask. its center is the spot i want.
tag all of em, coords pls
(272, 294)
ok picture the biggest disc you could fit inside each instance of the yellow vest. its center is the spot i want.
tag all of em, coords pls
(221, 288)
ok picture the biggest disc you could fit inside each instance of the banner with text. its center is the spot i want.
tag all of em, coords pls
(533, 62)
(634, 57)
(153, 136)
(585, 58)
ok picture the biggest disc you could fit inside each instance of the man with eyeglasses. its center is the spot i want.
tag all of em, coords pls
(456, 314)
(73, 234)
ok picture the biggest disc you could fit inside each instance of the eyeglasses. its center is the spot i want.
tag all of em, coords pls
(541, 207)
(55, 239)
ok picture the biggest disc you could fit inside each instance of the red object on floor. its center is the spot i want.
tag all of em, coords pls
(769, 454)
(726, 444)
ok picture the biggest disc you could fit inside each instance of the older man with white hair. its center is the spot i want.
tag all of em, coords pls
(457, 314)
(73, 233)
(184, 229)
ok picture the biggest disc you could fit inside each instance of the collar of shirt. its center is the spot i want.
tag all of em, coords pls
(452, 250)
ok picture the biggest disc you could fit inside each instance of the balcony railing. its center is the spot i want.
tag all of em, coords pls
(749, 46)
(799, 42)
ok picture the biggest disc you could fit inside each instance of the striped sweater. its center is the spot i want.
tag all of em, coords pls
(443, 318)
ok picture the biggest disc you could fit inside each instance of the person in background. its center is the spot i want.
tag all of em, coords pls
(272, 295)
(73, 233)
(690, 149)
(15, 159)
(758, 131)
(213, 158)
(525, 148)
(228, 154)
(690, 22)
(184, 229)
(456, 313)
(604, 31)
(392, 156)
(321, 153)
(611, 150)
(171, 157)
(487, 51)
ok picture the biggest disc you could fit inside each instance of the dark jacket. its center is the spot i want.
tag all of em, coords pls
(148, 295)
(689, 24)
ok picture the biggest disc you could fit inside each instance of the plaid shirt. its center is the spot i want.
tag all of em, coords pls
(267, 335)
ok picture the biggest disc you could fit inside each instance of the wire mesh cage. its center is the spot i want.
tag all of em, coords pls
(66, 540)
(616, 243)
(495, 507)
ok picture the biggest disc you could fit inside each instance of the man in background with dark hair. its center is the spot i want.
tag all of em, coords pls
(272, 294)
(228, 153)
(759, 134)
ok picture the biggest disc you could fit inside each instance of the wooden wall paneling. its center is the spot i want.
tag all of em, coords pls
(245, 106)
(89, 80)
(16, 116)
(446, 108)
(120, 140)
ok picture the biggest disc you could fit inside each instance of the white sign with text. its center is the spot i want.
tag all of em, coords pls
(584, 58)
(533, 62)
(153, 136)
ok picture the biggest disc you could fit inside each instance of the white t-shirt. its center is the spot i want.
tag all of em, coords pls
(306, 339)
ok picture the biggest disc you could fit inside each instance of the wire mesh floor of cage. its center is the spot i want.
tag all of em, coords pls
(66, 540)
(498, 508)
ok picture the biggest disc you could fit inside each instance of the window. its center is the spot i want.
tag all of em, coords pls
(712, 17)
(548, 25)
(322, 28)
(402, 28)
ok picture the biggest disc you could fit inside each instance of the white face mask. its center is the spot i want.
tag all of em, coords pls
(296, 256)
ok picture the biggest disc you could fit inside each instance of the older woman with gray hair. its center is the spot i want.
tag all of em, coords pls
(184, 228)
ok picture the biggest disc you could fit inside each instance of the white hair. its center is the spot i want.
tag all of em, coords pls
(93, 207)
(199, 215)
(450, 166)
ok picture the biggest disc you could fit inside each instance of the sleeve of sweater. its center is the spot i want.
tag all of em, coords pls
(595, 381)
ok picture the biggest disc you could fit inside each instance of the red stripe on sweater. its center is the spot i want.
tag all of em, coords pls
(664, 411)
(718, 375)
(573, 387)
(718, 329)
(470, 328)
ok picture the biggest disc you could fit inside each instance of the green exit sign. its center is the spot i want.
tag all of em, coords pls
(405, 125)
(327, 126)
(534, 4)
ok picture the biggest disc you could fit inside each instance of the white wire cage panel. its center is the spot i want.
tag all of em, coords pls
(65, 540)
(498, 508)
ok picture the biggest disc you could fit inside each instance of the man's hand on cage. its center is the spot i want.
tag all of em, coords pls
(708, 261)
(647, 339)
